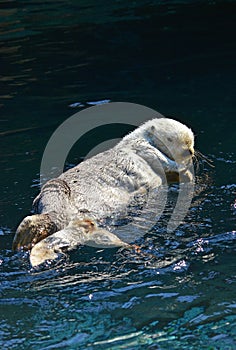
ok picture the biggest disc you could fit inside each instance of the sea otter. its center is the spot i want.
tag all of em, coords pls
(83, 203)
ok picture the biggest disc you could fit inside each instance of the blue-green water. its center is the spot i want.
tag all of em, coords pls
(177, 57)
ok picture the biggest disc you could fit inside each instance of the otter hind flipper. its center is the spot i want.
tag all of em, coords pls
(83, 231)
(32, 230)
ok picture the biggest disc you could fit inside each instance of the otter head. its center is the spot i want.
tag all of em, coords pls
(172, 138)
(165, 144)
(33, 229)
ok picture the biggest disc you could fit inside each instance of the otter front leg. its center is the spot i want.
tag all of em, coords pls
(77, 232)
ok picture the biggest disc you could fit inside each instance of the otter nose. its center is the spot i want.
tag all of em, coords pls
(188, 152)
(191, 151)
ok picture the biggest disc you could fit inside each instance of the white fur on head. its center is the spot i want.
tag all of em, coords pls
(174, 140)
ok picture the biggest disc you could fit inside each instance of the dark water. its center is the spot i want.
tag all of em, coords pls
(177, 57)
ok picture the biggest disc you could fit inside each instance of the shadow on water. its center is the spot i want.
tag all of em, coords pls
(178, 290)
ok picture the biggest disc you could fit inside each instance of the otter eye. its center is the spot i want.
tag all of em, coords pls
(188, 143)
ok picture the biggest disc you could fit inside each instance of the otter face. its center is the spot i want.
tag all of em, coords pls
(173, 139)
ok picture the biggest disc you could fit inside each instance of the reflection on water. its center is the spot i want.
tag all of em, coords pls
(178, 291)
